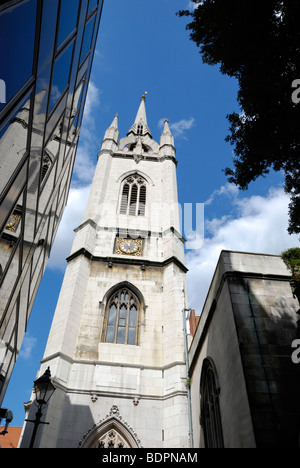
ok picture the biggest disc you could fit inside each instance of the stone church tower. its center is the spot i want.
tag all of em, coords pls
(116, 346)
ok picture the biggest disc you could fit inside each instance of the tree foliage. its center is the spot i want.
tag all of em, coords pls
(258, 43)
(291, 258)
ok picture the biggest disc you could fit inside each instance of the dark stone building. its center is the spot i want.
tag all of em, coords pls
(244, 383)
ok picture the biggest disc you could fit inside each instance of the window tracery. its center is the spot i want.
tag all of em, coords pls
(210, 409)
(121, 318)
(112, 439)
(111, 432)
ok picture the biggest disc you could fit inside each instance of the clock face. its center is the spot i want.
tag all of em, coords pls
(129, 246)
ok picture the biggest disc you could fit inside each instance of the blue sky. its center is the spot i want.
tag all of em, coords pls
(144, 46)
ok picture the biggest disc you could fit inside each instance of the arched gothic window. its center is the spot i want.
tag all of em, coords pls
(111, 432)
(133, 198)
(122, 318)
(210, 409)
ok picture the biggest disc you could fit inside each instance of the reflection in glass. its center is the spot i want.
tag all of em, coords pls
(49, 161)
(76, 103)
(17, 27)
(13, 143)
(12, 256)
(68, 14)
(23, 310)
(87, 38)
(14, 221)
(12, 195)
(7, 342)
(40, 105)
(49, 19)
(92, 4)
(61, 74)
(8, 240)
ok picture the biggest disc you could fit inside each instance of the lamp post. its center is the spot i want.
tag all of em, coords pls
(44, 389)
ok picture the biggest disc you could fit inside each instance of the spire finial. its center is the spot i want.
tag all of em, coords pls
(140, 126)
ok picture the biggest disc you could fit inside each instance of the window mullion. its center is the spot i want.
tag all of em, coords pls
(129, 198)
(127, 319)
(137, 200)
(117, 319)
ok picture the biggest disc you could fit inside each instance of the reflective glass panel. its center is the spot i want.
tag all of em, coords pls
(9, 280)
(87, 38)
(50, 8)
(17, 27)
(13, 141)
(61, 74)
(92, 4)
(13, 194)
(68, 19)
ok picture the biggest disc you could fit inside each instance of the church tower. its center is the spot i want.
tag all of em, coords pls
(116, 346)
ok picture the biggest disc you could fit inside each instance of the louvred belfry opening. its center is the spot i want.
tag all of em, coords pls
(133, 198)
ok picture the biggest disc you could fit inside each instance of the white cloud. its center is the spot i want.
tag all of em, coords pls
(88, 147)
(179, 128)
(229, 190)
(92, 100)
(193, 6)
(71, 219)
(260, 226)
(85, 163)
(28, 344)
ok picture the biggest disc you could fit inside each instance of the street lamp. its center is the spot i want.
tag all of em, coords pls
(44, 390)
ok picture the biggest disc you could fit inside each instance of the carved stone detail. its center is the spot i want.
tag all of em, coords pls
(111, 430)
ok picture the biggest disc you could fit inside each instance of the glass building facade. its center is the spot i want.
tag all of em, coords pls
(46, 50)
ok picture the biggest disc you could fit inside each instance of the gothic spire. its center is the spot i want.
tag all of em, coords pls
(167, 140)
(166, 137)
(140, 126)
(112, 133)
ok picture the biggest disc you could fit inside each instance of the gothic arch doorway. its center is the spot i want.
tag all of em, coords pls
(111, 432)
